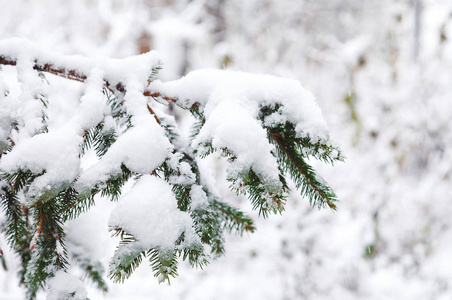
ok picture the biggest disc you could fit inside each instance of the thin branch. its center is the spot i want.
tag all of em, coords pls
(80, 77)
(49, 68)
(8, 62)
(69, 74)
(77, 76)
(153, 113)
(156, 95)
(38, 232)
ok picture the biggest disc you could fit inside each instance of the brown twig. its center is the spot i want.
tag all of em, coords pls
(38, 232)
(153, 113)
(80, 77)
(69, 74)
(8, 62)
(49, 68)
(11, 140)
(157, 94)
(77, 76)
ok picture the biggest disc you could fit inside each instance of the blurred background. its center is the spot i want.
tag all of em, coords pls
(381, 71)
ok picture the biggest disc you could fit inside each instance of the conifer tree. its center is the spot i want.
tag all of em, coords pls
(267, 128)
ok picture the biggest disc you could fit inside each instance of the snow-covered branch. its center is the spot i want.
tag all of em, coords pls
(266, 127)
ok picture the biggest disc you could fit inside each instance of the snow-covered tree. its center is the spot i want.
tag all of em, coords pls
(380, 71)
(265, 127)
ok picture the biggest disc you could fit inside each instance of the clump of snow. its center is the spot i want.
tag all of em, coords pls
(32, 87)
(250, 91)
(141, 149)
(7, 112)
(65, 286)
(93, 106)
(185, 175)
(56, 153)
(198, 197)
(231, 103)
(109, 124)
(232, 127)
(116, 70)
(134, 100)
(149, 212)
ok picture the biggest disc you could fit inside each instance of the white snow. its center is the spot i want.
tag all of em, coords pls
(93, 106)
(198, 197)
(249, 90)
(231, 104)
(149, 212)
(117, 70)
(185, 175)
(398, 155)
(141, 149)
(56, 153)
(32, 87)
(65, 286)
(8, 110)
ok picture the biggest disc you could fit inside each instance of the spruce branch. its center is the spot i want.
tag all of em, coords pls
(95, 273)
(98, 138)
(3, 261)
(16, 228)
(123, 265)
(233, 218)
(73, 204)
(127, 256)
(15, 223)
(45, 253)
(19, 180)
(48, 251)
(208, 226)
(303, 175)
(194, 252)
(163, 263)
(264, 197)
(113, 186)
(92, 269)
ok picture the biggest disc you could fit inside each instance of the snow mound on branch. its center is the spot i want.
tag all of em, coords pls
(65, 286)
(230, 126)
(142, 148)
(117, 70)
(149, 212)
(210, 87)
(231, 103)
(55, 153)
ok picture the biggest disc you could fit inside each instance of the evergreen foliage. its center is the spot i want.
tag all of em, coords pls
(34, 225)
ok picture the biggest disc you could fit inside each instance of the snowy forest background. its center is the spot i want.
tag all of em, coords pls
(381, 71)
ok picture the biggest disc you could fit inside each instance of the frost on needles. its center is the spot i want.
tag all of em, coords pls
(266, 127)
